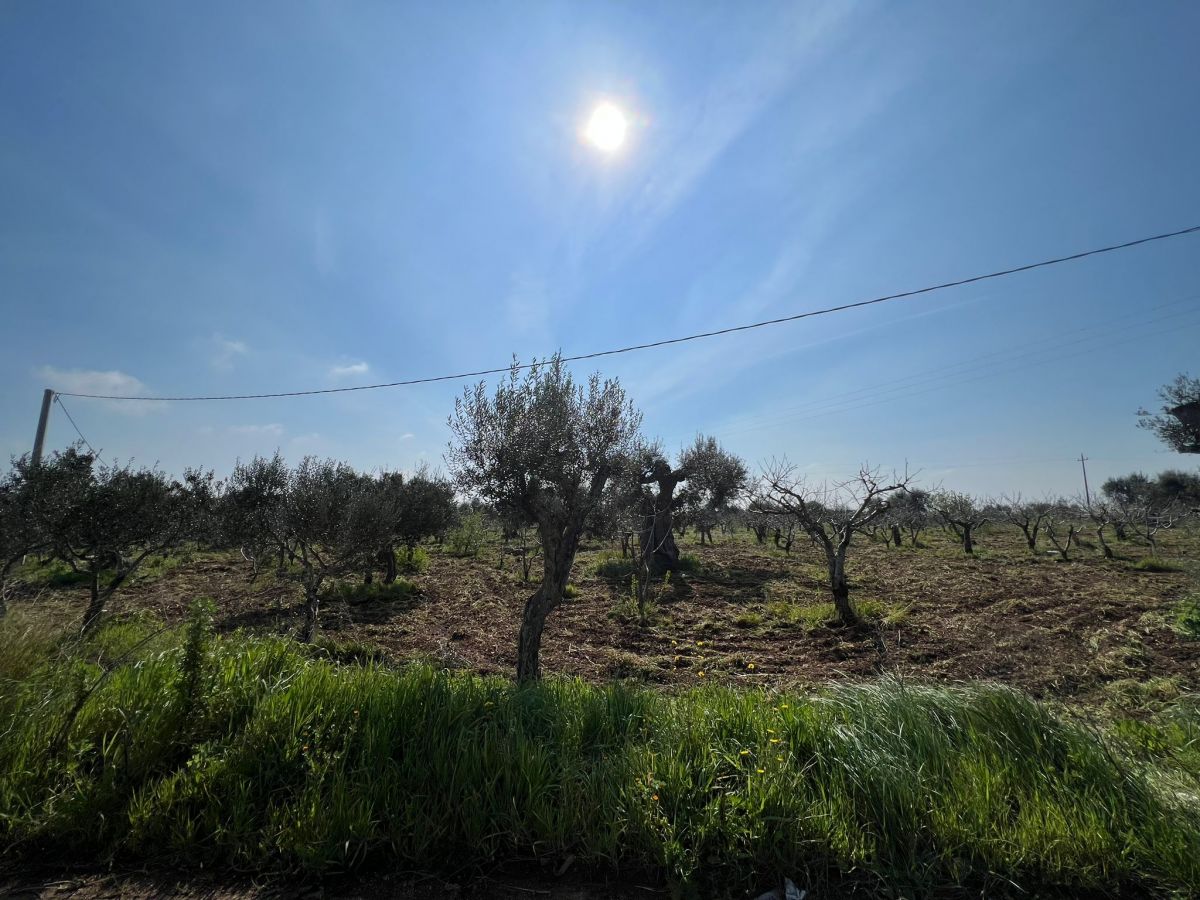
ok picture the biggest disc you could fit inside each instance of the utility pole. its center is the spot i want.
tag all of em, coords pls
(43, 420)
(1086, 495)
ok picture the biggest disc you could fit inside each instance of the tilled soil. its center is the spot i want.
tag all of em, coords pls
(1061, 630)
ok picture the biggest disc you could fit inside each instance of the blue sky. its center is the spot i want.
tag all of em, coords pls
(236, 197)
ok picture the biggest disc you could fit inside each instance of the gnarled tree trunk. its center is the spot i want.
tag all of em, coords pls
(312, 606)
(840, 587)
(658, 538)
(556, 570)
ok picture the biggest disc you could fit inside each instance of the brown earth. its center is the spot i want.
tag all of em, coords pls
(55, 885)
(1081, 631)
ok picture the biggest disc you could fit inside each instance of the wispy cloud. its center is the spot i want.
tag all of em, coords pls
(271, 429)
(705, 129)
(225, 352)
(407, 436)
(112, 383)
(349, 370)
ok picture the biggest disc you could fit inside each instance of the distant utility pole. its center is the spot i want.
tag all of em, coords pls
(43, 420)
(1086, 495)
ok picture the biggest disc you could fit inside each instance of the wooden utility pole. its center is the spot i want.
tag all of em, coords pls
(43, 420)
(1086, 495)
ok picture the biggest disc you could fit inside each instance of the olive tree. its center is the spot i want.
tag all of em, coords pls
(336, 519)
(1178, 423)
(712, 477)
(1028, 515)
(253, 509)
(107, 520)
(547, 447)
(322, 516)
(424, 507)
(1061, 523)
(1104, 513)
(962, 514)
(831, 516)
(25, 491)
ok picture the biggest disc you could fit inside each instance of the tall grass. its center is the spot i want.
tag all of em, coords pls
(258, 752)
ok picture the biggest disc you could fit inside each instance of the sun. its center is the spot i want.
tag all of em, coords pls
(605, 129)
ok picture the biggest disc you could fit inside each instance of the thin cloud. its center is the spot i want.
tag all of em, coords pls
(272, 429)
(225, 352)
(720, 116)
(113, 383)
(349, 370)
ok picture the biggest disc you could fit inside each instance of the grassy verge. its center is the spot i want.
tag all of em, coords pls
(180, 746)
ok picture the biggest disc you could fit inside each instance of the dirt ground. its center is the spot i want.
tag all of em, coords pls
(55, 885)
(1086, 631)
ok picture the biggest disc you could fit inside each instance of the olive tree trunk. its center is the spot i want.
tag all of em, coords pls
(558, 557)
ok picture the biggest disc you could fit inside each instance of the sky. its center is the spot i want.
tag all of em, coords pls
(241, 198)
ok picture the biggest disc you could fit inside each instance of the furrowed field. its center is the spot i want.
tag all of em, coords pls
(1004, 723)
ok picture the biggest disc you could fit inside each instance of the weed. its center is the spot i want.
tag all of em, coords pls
(748, 620)
(1187, 619)
(412, 560)
(468, 537)
(355, 592)
(612, 565)
(294, 760)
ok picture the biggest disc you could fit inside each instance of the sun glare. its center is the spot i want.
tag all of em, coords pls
(606, 128)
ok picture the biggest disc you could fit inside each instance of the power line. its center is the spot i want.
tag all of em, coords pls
(679, 340)
(897, 390)
(87, 443)
(757, 424)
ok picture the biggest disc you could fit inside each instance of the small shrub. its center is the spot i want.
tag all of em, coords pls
(571, 591)
(789, 613)
(412, 560)
(197, 637)
(611, 565)
(1187, 619)
(467, 538)
(354, 653)
(358, 593)
(1155, 564)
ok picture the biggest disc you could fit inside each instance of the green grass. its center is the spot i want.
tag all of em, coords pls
(609, 564)
(794, 614)
(357, 592)
(57, 574)
(412, 561)
(1187, 618)
(258, 753)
